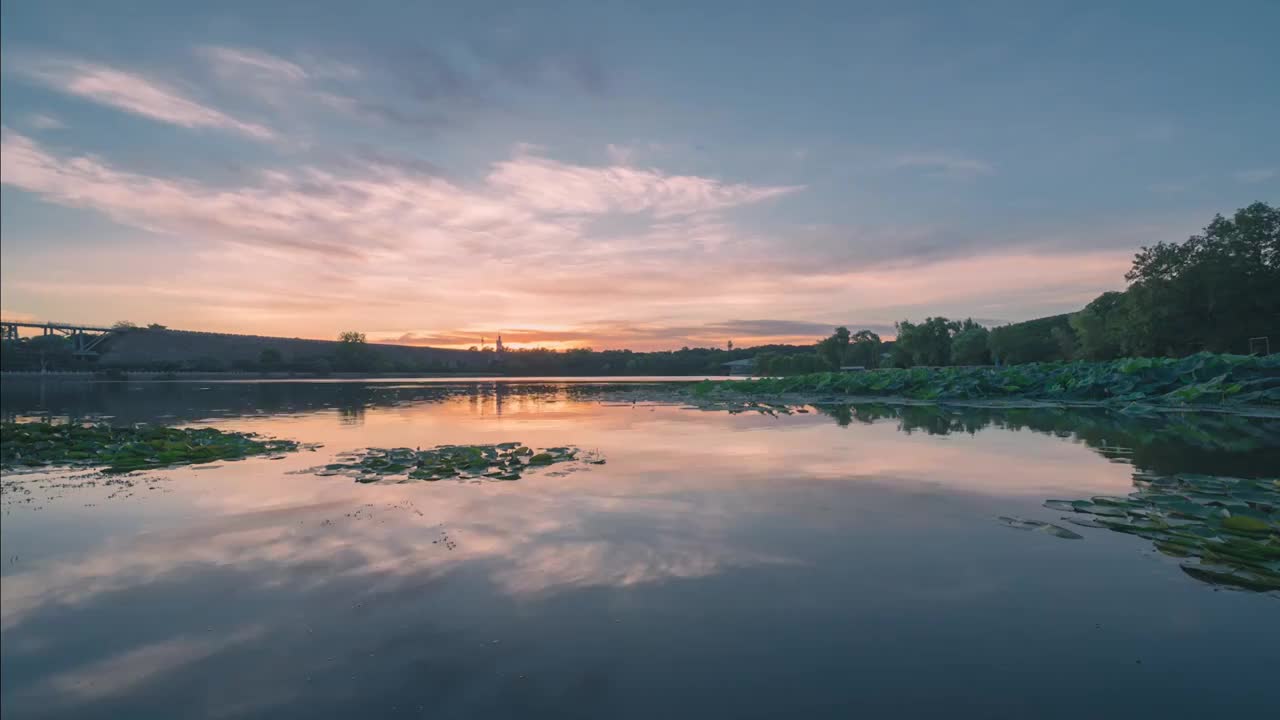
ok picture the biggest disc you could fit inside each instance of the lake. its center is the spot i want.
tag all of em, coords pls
(837, 561)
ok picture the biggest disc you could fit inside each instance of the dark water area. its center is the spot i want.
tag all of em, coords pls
(837, 561)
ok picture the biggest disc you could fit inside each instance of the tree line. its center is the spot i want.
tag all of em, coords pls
(1219, 291)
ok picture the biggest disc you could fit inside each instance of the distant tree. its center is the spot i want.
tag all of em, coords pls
(928, 343)
(833, 349)
(1065, 340)
(864, 349)
(1030, 341)
(969, 346)
(156, 326)
(729, 346)
(354, 354)
(1100, 327)
(50, 352)
(124, 325)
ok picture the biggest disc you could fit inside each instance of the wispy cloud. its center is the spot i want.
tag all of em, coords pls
(44, 121)
(1256, 175)
(944, 165)
(230, 62)
(528, 203)
(545, 251)
(134, 93)
(554, 187)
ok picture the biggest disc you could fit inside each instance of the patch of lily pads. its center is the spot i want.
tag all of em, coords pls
(499, 462)
(35, 445)
(1225, 530)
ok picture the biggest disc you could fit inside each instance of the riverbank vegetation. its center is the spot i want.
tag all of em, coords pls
(125, 449)
(1203, 378)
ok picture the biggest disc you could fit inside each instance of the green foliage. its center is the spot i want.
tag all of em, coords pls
(503, 461)
(1100, 327)
(864, 349)
(771, 363)
(1226, 529)
(124, 449)
(1212, 292)
(926, 343)
(969, 346)
(833, 349)
(1199, 379)
(1040, 340)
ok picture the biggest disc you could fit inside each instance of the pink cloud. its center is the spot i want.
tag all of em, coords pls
(404, 254)
(136, 94)
(550, 186)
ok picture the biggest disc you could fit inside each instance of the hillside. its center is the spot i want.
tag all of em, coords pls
(180, 349)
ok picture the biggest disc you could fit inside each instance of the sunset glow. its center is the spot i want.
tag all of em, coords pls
(480, 175)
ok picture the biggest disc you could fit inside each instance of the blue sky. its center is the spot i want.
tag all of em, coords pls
(614, 174)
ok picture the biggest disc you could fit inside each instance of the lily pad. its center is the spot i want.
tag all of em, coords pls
(1038, 526)
(501, 462)
(1229, 526)
(126, 449)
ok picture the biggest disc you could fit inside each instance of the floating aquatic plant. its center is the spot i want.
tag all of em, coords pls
(1225, 530)
(1037, 526)
(125, 449)
(503, 461)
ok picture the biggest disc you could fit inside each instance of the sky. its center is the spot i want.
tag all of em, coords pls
(647, 175)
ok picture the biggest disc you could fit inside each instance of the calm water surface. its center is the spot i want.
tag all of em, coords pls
(840, 562)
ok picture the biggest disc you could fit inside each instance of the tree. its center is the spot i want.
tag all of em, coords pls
(864, 349)
(833, 349)
(1212, 292)
(124, 325)
(928, 343)
(729, 346)
(354, 354)
(1030, 341)
(1100, 327)
(969, 346)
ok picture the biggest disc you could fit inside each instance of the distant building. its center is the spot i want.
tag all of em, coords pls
(498, 345)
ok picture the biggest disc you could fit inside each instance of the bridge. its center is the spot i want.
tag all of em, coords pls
(84, 338)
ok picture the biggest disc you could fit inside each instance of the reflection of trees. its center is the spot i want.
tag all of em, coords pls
(352, 401)
(1165, 442)
(1162, 442)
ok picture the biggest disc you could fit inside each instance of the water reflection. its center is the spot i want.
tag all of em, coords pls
(843, 560)
(1163, 442)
